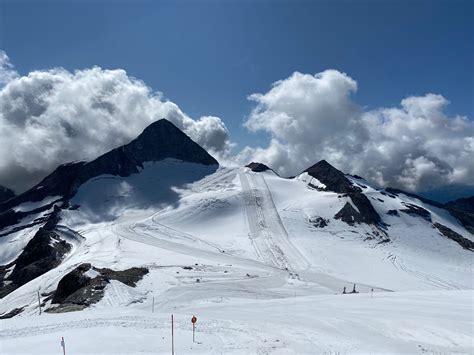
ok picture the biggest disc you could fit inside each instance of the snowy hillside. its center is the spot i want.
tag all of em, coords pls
(261, 260)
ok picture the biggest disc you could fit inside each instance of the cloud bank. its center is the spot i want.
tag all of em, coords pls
(50, 117)
(310, 117)
(55, 116)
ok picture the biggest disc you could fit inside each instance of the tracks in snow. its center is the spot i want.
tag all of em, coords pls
(267, 232)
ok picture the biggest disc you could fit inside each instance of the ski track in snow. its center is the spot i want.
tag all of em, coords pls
(268, 235)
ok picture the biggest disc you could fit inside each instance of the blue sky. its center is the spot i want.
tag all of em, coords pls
(208, 56)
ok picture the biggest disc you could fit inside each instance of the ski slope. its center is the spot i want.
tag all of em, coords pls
(238, 250)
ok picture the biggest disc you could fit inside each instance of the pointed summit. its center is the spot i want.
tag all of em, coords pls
(257, 167)
(159, 141)
(334, 179)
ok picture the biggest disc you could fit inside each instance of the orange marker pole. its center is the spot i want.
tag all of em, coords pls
(194, 320)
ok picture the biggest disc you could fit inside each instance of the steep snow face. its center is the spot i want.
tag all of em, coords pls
(156, 186)
(236, 248)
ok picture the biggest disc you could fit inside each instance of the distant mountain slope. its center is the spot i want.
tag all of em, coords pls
(196, 232)
(463, 209)
(5, 193)
(30, 243)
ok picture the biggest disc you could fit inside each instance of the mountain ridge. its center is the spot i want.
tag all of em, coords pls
(160, 140)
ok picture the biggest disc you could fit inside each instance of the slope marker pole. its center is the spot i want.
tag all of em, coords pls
(172, 335)
(194, 320)
(63, 345)
(153, 305)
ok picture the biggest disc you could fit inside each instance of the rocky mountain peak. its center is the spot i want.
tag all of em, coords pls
(257, 167)
(159, 141)
(334, 179)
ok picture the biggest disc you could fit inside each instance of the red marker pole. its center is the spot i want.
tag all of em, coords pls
(194, 320)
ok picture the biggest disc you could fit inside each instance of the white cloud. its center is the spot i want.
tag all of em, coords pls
(414, 146)
(7, 72)
(55, 116)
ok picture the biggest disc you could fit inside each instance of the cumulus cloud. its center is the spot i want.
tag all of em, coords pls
(55, 116)
(415, 146)
(7, 71)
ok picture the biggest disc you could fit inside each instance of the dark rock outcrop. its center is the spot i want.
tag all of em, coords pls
(319, 222)
(14, 312)
(257, 167)
(43, 252)
(6, 193)
(449, 233)
(71, 283)
(335, 180)
(349, 215)
(368, 213)
(393, 213)
(129, 277)
(414, 210)
(85, 285)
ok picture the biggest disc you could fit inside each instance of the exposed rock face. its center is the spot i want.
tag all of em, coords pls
(335, 180)
(85, 285)
(129, 277)
(319, 222)
(12, 313)
(43, 252)
(393, 213)
(349, 215)
(414, 210)
(367, 212)
(158, 141)
(72, 282)
(5, 193)
(257, 167)
(449, 233)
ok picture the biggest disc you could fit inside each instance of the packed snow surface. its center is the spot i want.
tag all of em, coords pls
(241, 251)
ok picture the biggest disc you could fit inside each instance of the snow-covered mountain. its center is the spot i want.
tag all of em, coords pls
(261, 259)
